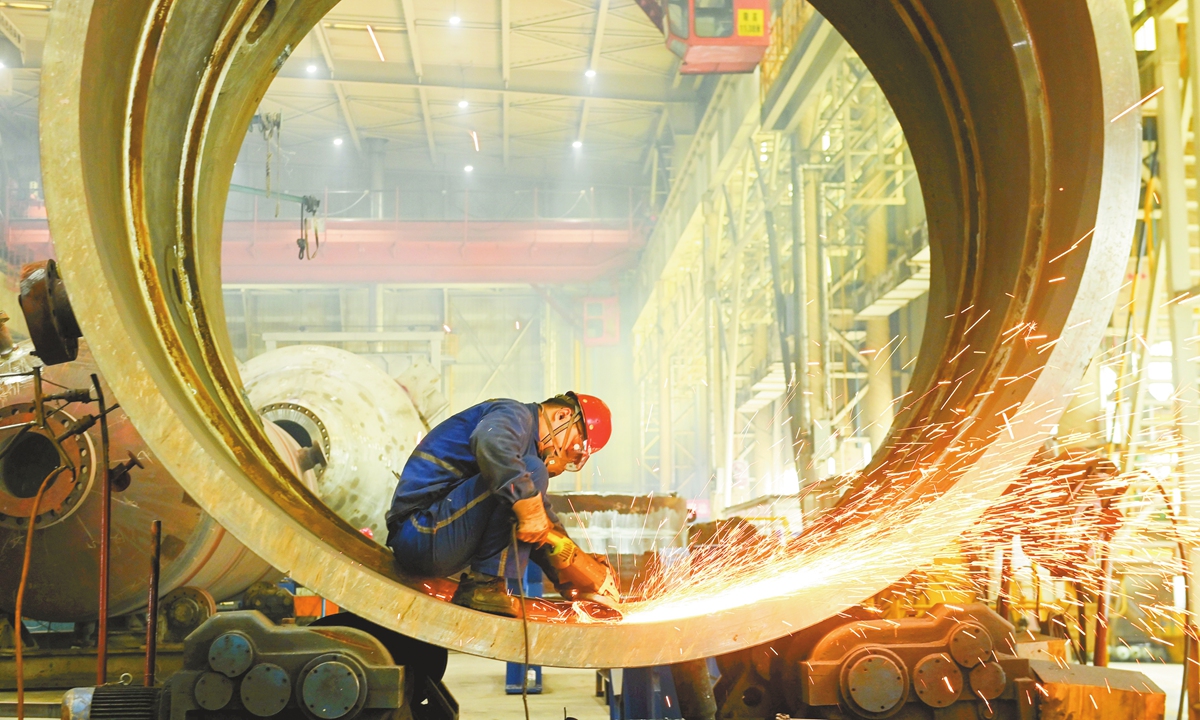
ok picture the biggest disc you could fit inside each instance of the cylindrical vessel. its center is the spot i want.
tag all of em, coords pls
(1029, 165)
(64, 568)
(364, 422)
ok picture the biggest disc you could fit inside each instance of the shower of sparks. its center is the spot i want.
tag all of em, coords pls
(939, 517)
(1137, 104)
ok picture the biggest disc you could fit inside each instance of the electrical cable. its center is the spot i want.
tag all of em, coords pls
(37, 500)
(105, 535)
(524, 620)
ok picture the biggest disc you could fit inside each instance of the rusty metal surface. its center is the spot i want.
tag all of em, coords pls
(1081, 691)
(63, 571)
(1025, 180)
(52, 325)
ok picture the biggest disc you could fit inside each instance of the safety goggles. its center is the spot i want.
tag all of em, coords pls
(576, 455)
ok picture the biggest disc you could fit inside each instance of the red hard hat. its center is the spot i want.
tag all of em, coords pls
(597, 420)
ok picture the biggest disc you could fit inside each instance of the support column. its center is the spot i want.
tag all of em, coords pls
(1183, 325)
(729, 381)
(801, 403)
(373, 148)
(821, 263)
(712, 404)
(666, 439)
(877, 405)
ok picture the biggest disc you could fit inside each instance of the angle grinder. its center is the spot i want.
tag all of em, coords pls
(576, 574)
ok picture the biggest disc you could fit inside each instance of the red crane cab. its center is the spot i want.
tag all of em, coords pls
(718, 36)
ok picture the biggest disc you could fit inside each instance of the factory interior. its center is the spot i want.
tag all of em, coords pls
(611, 359)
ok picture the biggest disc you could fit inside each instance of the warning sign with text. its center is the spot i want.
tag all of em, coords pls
(750, 23)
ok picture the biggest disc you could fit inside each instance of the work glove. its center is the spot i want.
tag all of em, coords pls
(533, 525)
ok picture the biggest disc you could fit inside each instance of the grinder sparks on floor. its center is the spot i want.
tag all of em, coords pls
(480, 472)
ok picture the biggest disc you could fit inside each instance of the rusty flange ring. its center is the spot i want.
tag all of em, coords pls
(63, 495)
(1029, 168)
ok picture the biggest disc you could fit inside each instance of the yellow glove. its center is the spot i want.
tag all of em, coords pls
(532, 523)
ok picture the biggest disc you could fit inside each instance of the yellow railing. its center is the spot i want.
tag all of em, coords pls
(785, 31)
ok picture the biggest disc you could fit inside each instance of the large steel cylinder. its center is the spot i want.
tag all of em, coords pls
(363, 421)
(64, 567)
(1018, 116)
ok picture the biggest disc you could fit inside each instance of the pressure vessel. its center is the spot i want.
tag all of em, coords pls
(363, 421)
(63, 579)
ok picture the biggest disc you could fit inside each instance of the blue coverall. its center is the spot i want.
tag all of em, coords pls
(453, 505)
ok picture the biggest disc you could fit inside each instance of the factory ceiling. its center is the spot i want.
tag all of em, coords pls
(507, 86)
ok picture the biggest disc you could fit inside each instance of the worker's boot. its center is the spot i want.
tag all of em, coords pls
(485, 593)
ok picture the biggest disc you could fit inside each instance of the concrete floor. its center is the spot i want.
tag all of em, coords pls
(478, 685)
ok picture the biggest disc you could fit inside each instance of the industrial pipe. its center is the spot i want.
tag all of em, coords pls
(152, 603)
(105, 521)
(1028, 161)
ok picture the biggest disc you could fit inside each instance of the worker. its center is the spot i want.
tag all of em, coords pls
(477, 475)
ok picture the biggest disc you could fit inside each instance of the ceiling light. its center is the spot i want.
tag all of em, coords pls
(337, 142)
(311, 69)
(577, 144)
(590, 73)
(469, 168)
(463, 104)
(455, 20)
(375, 41)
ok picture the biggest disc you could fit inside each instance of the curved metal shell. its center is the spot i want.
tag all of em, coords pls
(1003, 103)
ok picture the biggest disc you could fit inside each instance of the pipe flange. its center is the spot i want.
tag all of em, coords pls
(183, 610)
(874, 682)
(298, 421)
(332, 686)
(31, 457)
